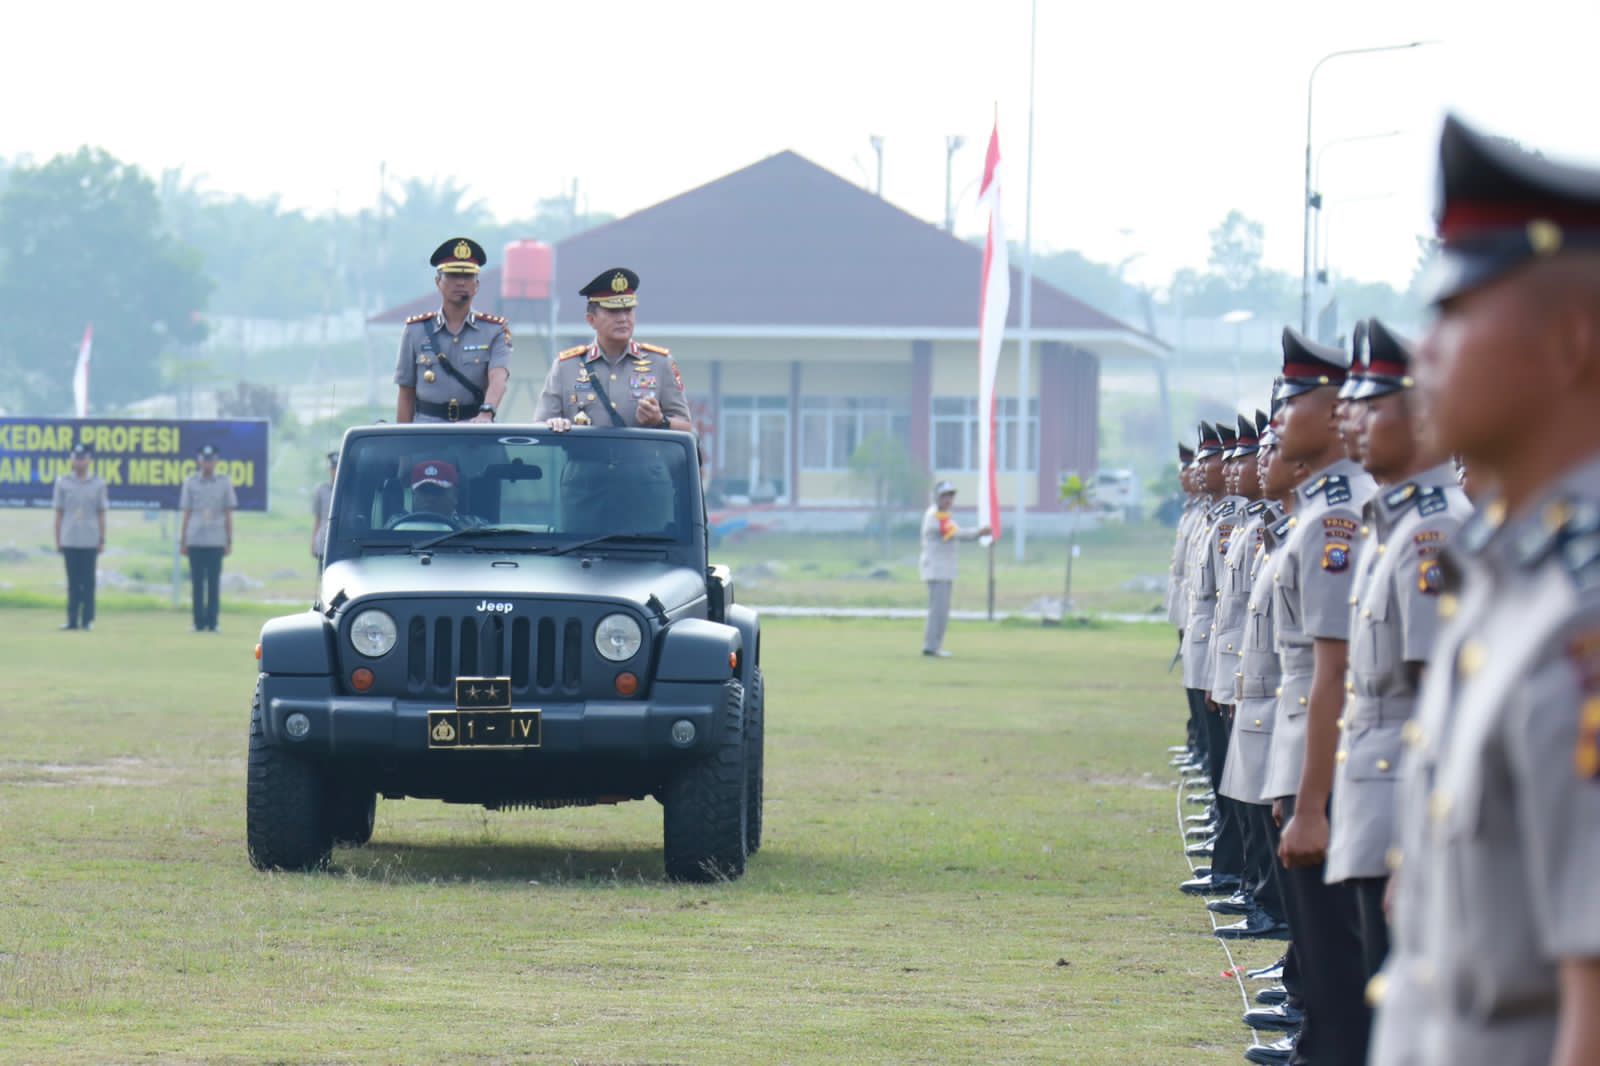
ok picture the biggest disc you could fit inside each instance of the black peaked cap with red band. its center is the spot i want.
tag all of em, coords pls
(1358, 360)
(1210, 442)
(1308, 365)
(1500, 205)
(1185, 455)
(1247, 438)
(1387, 362)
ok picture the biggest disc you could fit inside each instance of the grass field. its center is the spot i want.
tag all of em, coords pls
(968, 860)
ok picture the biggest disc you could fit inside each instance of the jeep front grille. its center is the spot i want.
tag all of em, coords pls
(542, 656)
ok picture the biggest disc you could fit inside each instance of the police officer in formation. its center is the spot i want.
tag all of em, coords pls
(616, 380)
(205, 534)
(454, 363)
(1417, 694)
(80, 502)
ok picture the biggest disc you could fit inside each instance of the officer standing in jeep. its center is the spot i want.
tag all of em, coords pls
(455, 362)
(616, 381)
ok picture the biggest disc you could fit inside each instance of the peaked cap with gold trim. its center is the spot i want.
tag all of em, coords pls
(615, 289)
(1500, 205)
(459, 255)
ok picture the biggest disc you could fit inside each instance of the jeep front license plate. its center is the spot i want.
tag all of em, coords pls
(483, 729)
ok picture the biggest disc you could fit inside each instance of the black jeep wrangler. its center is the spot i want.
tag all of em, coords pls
(510, 617)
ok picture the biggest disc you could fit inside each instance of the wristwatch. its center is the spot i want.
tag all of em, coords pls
(486, 407)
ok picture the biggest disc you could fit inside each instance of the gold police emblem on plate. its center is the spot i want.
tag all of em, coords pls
(583, 375)
(443, 732)
(581, 418)
(463, 250)
(619, 282)
(1544, 236)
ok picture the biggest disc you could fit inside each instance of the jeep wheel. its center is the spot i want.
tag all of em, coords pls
(352, 809)
(755, 761)
(286, 817)
(703, 822)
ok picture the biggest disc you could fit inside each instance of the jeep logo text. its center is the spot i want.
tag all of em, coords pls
(491, 607)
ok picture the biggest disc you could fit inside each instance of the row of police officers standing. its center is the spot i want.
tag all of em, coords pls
(1394, 690)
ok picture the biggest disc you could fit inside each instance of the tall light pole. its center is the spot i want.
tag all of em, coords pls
(1318, 261)
(877, 146)
(952, 145)
(1024, 385)
(1307, 204)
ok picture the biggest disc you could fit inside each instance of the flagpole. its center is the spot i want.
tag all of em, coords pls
(1024, 384)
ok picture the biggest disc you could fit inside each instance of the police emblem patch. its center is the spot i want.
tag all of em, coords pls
(1335, 557)
(1430, 579)
(1586, 757)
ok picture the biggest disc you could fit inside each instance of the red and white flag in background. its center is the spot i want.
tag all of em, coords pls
(80, 375)
(993, 302)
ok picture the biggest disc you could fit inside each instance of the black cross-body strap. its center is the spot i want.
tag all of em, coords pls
(611, 408)
(461, 379)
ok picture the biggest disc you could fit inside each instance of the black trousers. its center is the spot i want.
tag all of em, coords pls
(1324, 928)
(1261, 859)
(205, 577)
(1227, 854)
(1373, 925)
(80, 584)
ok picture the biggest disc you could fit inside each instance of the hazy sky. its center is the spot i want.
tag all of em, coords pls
(1152, 118)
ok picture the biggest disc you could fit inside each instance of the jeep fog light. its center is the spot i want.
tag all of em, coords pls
(372, 634)
(617, 637)
(683, 732)
(297, 725)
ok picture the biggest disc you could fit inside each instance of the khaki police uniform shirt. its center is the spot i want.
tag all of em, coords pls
(206, 499)
(1500, 797)
(937, 561)
(1232, 563)
(321, 505)
(1312, 602)
(1257, 679)
(641, 371)
(1178, 587)
(1201, 583)
(483, 344)
(80, 502)
(1393, 625)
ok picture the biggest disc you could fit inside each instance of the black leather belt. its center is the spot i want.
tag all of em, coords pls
(454, 411)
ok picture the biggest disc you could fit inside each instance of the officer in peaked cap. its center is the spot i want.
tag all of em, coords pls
(1314, 567)
(79, 499)
(1347, 413)
(1495, 954)
(455, 362)
(616, 380)
(1393, 622)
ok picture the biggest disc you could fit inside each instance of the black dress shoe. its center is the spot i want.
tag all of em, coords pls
(1202, 871)
(1199, 799)
(1209, 886)
(1258, 925)
(1272, 994)
(1241, 902)
(1198, 850)
(1279, 1051)
(1267, 973)
(1197, 819)
(1282, 1016)
(1201, 832)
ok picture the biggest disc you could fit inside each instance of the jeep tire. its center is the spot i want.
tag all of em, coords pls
(286, 815)
(705, 803)
(352, 809)
(755, 761)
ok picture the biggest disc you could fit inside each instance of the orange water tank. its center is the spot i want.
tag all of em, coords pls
(528, 271)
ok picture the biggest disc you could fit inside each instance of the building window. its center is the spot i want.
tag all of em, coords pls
(832, 427)
(955, 433)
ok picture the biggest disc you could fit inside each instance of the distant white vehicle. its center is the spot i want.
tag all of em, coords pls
(1118, 491)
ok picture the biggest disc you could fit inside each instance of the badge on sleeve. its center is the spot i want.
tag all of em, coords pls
(1587, 755)
(1430, 579)
(1583, 654)
(1335, 556)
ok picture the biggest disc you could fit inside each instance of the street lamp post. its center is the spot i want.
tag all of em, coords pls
(1318, 259)
(877, 146)
(1307, 204)
(952, 145)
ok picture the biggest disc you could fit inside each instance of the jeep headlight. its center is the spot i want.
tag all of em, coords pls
(372, 634)
(617, 637)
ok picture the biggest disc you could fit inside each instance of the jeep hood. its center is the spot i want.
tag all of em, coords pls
(488, 576)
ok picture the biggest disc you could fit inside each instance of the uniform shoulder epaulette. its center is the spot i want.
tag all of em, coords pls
(573, 352)
(654, 348)
(494, 320)
(1281, 530)
(1397, 498)
(1336, 490)
(1255, 507)
(1432, 501)
(1224, 509)
(425, 316)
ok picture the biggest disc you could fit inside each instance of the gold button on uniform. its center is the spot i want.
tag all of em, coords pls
(1383, 765)
(1341, 757)
(1438, 805)
(1376, 988)
(1258, 723)
(1302, 701)
(1411, 733)
(1470, 660)
(1393, 858)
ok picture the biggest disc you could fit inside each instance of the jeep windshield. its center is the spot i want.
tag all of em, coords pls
(501, 490)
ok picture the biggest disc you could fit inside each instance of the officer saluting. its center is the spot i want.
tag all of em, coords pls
(1496, 949)
(455, 362)
(616, 381)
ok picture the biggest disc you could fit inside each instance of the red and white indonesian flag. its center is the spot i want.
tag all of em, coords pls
(80, 375)
(993, 303)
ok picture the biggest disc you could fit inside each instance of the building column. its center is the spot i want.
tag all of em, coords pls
(921, 413)
(1069, 418)
(793, 473)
